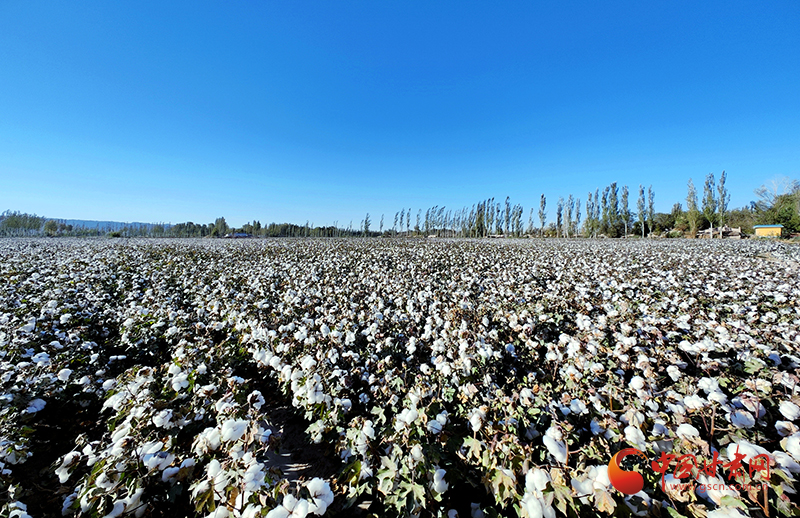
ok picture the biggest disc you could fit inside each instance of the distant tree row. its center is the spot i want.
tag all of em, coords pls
(607, 213)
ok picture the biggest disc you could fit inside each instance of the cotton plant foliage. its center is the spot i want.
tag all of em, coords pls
(509, 372)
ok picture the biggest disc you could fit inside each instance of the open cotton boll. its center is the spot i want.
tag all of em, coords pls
(64, 374)
(439, 484)
(742, 419)
(635, 436)
(556, 448)
(233, 429)
(792, 445)
(321, 496)
(789, 410)
(687, 431)
(290, 507)
(35, 405)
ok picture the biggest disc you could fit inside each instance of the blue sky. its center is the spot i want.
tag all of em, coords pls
(288, 111)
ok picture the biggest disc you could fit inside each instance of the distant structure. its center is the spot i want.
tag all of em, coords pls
(237, 235)
(768, 230)
(725, 232)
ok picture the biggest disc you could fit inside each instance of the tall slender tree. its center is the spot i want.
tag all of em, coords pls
(651, 208)
(542, 214)
(559, 218)
(709, 201)
(723, 198)
(508, 214)
(530, 222)
(570, 209)
(624, 210)
(692, 212)
(641, 207)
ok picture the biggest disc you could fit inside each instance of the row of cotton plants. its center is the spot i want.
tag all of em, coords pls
(446, 378)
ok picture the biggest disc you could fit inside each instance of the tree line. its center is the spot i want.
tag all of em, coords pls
(606, 212)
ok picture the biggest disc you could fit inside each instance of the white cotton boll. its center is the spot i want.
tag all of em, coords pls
(307, 363)
(163, 419)
(206, 441)
(785, 428)
(439, 485)
(789, 410)
(180, 382)
(708, 385)
(41, 359)
(475, 422)
(792, 445)
(718, 397)
(713, 489)
(35, 405)
(109, 384)
(290, 507)
(742, 419)
(65, 318)
(637, 383)
(578, 407)
(687, 431)
(556, 448)
(555, 433)
(169, 473)
(252, 511)
(694, 402)
(256, 399)
(64, 374)
(233, 429)
(30, 326)
(219, 512)
(128, 323)
(786, 462)
(634, 436)
(745, 448)
(673, 372)
(726, 512)
(434, 426)
(416, 452)
(321, 496)
(536, 481)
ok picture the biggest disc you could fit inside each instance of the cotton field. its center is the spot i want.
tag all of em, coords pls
(409, 377)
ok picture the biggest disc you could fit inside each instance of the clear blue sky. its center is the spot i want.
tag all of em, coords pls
(287, 111)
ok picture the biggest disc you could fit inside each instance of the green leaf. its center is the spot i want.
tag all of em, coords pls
(732, 501)
(674, 512)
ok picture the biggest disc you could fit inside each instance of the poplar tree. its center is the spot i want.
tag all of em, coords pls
(559, 211)
(570, 208)
(709, 200)
(723, 198)
(692, 213)
(542, 214)
(626, 213)
(640, 206)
